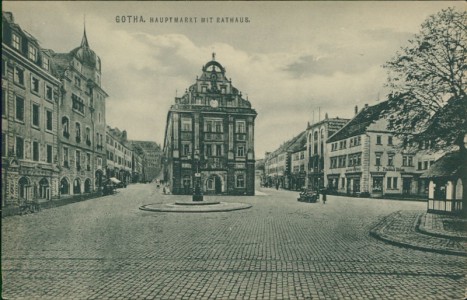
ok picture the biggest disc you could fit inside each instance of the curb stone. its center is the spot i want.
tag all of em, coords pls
(378, 232)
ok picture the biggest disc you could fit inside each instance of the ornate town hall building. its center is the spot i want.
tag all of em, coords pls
(209, 138)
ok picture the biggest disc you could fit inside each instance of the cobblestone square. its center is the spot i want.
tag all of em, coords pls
(106, 248)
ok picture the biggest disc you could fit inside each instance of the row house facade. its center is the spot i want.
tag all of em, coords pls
(119, 155)
(53, 119)
(150, 154)
(81, 120)
(209, 139)
(298, 167)
(316, 150)
(278, 164)
(30, 96)
(364, 158)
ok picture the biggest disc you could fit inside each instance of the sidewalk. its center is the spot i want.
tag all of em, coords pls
(424, 231)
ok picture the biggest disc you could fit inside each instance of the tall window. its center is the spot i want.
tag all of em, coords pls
(19, 147)
(88, 161)
(407, 161)
(35, 115)
(208, 150)
(186, 149)
(240, 182)
(78, 160)
(378, 158)
(65, 157)
(378, 140)
(66, 127)
(392, 183)
(15, 41)
(78, 132)
(32, 53)
(390, 159)
(49, 120)
(240, 151)
(49, 154)
(88, 136)
(19, 108)
(186, 124)
(35, 151)
(34, 84)
(218, 126)
(48, 92)
(45, 63)
(208, 126)
(218, 150)
(240, 126)
(77, 103)
(389, 140)
(19, 76)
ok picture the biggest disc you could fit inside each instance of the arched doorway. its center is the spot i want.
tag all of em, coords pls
(213, 184)
(77, 186)
(87, 185)
(44, 189)
(99, 176)
(23, 186)
(187, 185)
(64, 186)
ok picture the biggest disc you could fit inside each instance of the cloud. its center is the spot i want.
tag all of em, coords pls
(292, 61)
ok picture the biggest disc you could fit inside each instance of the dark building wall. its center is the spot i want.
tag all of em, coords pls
(210, 138)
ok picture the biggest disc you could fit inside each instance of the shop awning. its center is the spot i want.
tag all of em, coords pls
(115, 180)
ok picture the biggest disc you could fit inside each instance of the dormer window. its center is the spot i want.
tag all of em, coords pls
(15, 41)
(32, 53)
(45, 63)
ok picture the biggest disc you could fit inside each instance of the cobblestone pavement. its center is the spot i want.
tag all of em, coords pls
(106, 248)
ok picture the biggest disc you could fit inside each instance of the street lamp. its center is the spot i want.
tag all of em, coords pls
(197, 194)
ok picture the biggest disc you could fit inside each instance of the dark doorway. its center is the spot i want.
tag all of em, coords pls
(406, 185)
(218, 185)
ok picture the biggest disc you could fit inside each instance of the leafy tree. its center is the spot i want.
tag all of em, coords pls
(427, 80)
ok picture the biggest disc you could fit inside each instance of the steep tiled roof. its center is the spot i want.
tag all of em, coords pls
(360, 122)
(291, 144)
(450, 165)
(299, 143)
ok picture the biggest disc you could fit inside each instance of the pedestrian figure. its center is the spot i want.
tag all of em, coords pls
(277, 185)
(163, 190)
(324, 195)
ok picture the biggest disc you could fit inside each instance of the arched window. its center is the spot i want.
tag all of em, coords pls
(43, 188)
(78, 132)
(66, 127)
(87, 185)
(77, 186)
(23, 185)
(64, 186)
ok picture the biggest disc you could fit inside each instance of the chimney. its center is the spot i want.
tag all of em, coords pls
(124, 135)
(356, 109)
(326, 116)
(366, 105)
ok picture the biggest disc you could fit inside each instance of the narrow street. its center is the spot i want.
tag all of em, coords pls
(106, 248)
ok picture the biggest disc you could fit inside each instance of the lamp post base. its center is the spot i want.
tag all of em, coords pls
(197, 197)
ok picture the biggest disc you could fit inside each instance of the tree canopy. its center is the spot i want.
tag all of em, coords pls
(427, 82)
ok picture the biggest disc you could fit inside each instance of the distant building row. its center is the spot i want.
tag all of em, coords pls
(354, 157)
(55, 141)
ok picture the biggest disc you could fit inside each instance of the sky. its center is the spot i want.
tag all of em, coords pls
(295, 61)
